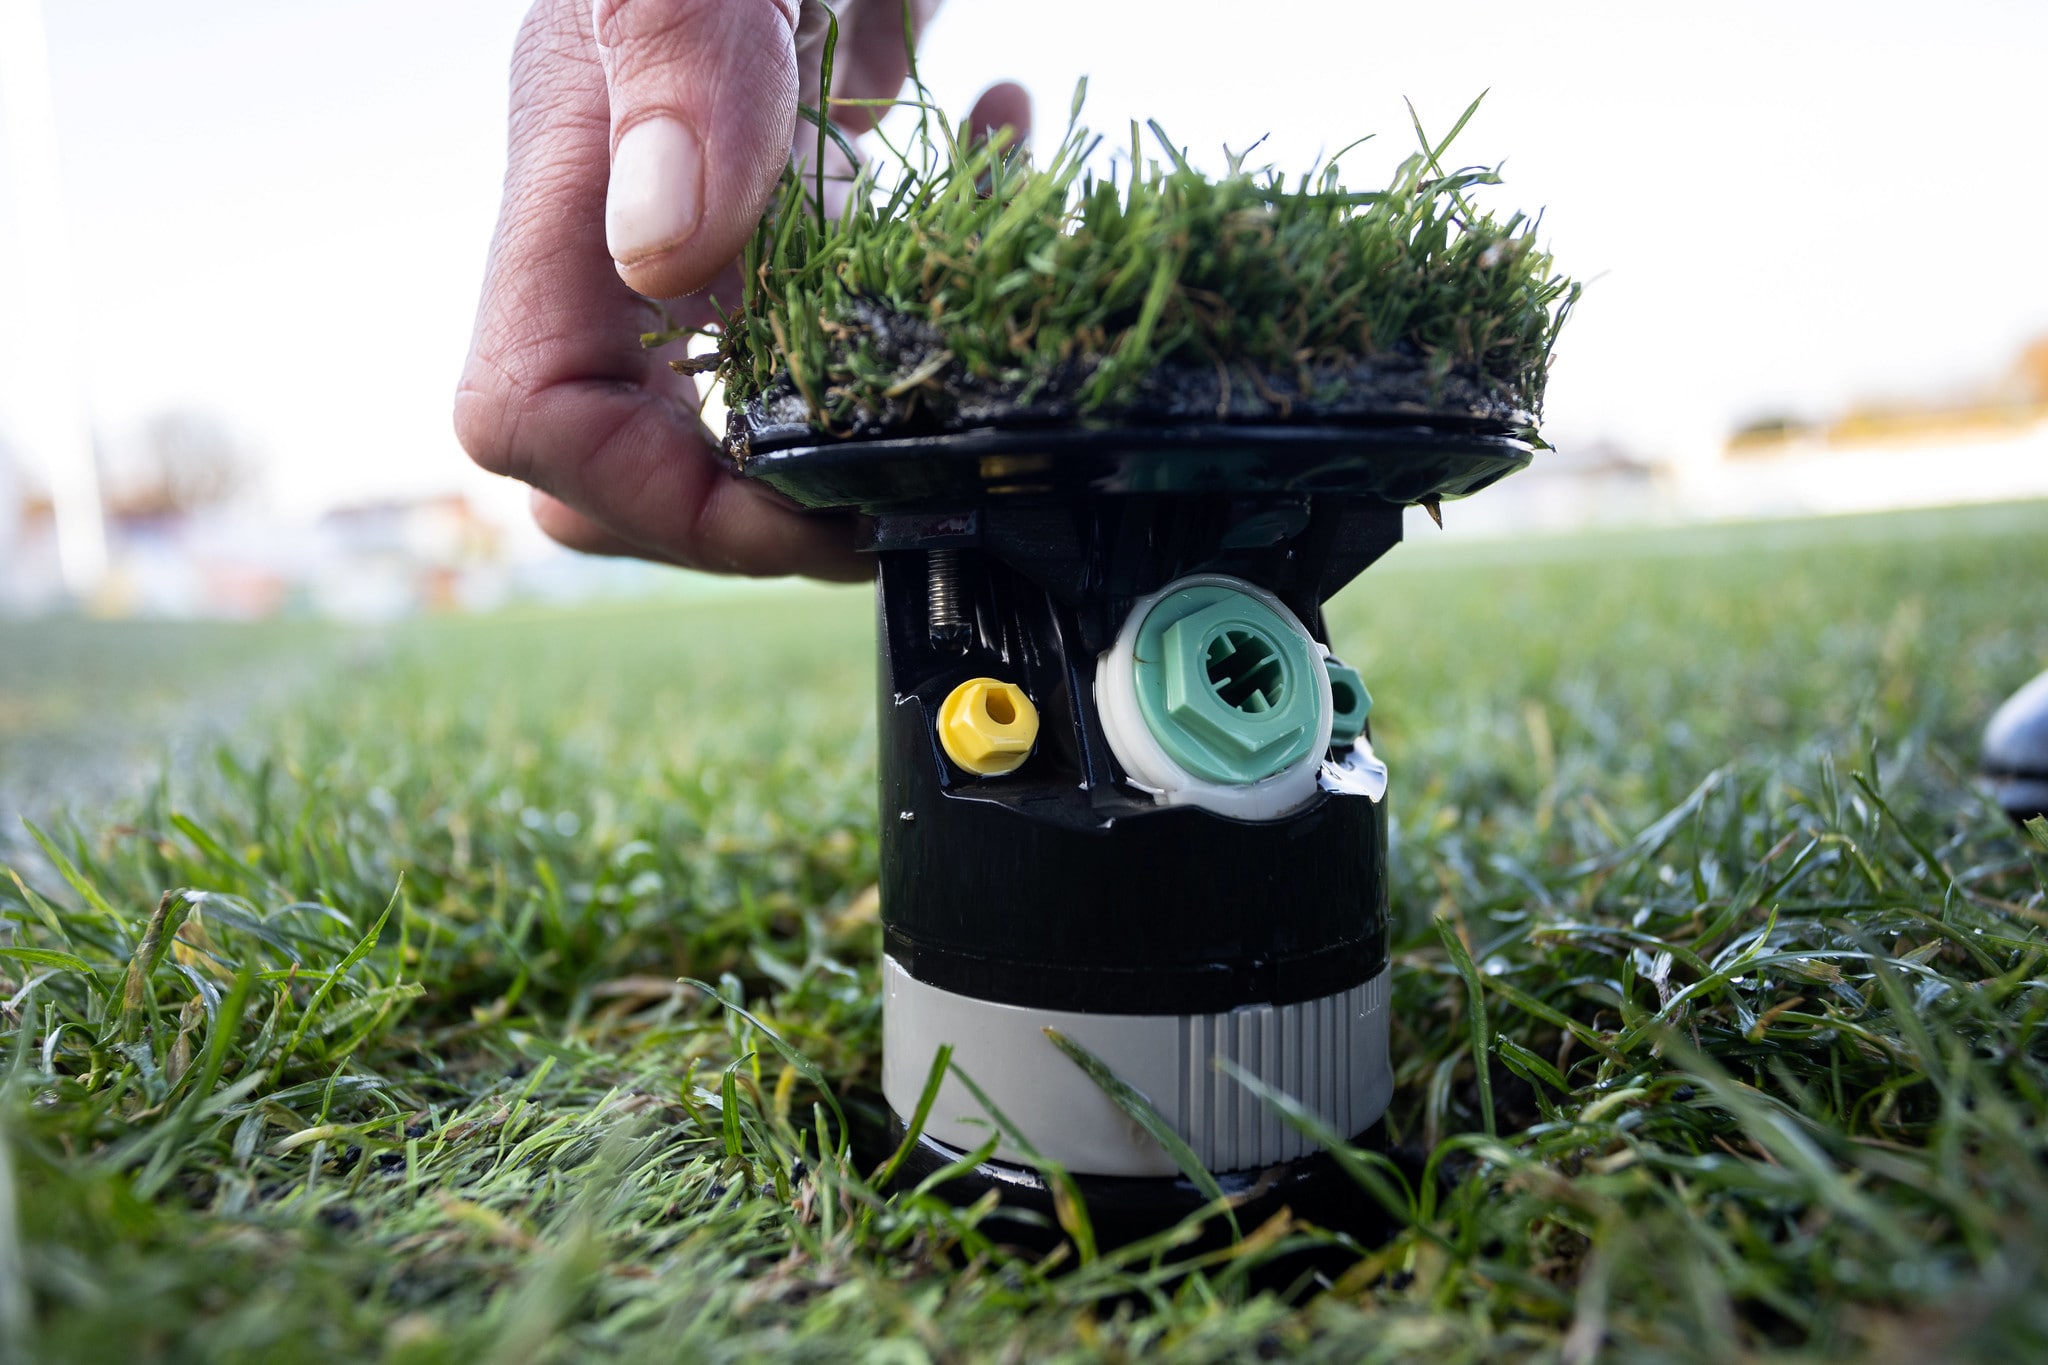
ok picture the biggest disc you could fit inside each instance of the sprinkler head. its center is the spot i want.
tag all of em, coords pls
(1130, 812)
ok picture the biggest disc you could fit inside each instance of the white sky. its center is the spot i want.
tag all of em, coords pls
(278, 212)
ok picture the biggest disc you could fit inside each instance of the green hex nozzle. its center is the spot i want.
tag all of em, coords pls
(1226, 686)
(1350, 703)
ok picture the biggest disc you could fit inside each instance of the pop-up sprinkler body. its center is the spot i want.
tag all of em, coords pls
(1126, 793)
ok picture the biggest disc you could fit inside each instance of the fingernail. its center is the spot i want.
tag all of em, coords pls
(656, 189)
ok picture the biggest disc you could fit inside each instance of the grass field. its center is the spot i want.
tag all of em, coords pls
(362, 1037)
(90, 709)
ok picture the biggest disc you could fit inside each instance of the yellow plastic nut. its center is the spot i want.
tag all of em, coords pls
(988, 726)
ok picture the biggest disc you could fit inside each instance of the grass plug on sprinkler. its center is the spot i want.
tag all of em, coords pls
(1115, 439)
(969, 287)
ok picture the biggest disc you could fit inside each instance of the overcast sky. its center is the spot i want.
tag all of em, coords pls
(278, 212)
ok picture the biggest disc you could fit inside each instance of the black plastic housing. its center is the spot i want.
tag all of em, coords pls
(1058, 887)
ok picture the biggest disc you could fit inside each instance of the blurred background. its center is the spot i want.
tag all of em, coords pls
(240, 245)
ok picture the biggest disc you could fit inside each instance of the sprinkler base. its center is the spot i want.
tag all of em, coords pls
(1121, 1210)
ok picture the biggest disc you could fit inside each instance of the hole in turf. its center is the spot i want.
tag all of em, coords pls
(1244, 668)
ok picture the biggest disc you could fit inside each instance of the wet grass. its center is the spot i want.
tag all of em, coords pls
(366, 1038)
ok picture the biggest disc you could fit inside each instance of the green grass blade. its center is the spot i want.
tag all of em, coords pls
(1140, 1111)
(362, 949)
(1475, 1019)
(934, 1078)
(1371, 1171)
(1068, 1206)
(45, 957)
(803, 1065)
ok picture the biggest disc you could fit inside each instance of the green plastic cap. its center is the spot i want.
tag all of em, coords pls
(1350, 703)
(1226, 685)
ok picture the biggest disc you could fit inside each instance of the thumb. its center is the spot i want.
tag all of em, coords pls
(703, 106)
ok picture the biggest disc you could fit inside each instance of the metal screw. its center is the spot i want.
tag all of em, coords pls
(945, 611)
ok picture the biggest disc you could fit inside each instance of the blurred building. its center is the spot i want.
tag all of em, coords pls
(1576, 486)
(30, 576)
(374, 561)
(1987, 445)
(1990, 445)
(390, 558)
(12, 500)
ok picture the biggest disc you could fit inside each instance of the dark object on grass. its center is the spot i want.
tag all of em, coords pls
(2016, 752)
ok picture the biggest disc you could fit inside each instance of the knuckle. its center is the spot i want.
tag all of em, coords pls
(551, 31)
(553, 72)
(481, 425)
(499, 388)
(627, 23)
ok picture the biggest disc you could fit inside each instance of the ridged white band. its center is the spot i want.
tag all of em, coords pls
(1330, 1054)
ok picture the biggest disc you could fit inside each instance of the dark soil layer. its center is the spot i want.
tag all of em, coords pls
(940, 395)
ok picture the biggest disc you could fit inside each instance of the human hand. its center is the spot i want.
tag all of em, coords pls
(677, 117)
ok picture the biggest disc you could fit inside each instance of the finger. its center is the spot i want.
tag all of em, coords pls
(870, 62)
(1005, 105)
(735, 527)
(568, 527)
(558, 391)
(702, 105)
